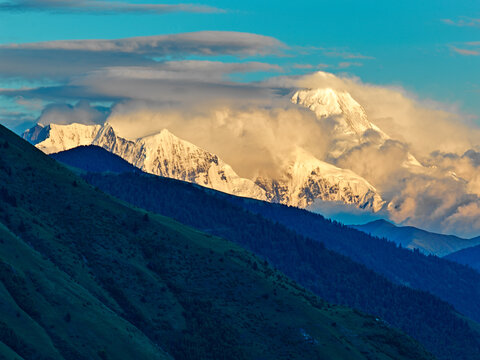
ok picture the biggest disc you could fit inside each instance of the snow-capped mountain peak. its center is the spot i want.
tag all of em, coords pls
(54, 138)
(345, 117)
(350, 122)
(306, 179)
(326, 102)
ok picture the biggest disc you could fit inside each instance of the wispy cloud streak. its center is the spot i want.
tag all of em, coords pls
(101, 7)
(198, 43)
(346, 55)
(465, 52)
(463, 22)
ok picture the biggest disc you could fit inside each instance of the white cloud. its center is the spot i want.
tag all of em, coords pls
(81, 113)
(253, 137)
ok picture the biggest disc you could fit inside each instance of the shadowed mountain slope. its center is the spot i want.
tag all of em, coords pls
(469, 256)
(94, 159)
(93, 278)
(413, 238)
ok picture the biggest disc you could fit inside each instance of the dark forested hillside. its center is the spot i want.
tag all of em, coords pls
(334, 277)
(84, 276)
(452, 282)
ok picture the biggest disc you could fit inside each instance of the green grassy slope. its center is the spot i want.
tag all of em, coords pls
(45, 312)
(83, 276)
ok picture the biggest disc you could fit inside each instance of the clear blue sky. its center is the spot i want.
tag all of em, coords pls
(420, 45)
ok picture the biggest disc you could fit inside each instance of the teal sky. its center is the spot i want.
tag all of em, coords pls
(424, 47)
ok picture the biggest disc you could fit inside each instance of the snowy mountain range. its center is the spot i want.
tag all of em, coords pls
(304, 178)
(161, 154)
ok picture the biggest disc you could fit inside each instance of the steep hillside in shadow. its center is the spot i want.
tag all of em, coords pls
(84, 276)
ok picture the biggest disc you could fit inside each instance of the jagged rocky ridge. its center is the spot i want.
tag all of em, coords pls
(161, 154)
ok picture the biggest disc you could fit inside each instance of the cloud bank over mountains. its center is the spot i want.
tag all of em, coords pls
(170, 81)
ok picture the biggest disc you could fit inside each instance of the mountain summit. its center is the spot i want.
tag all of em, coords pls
(330, 103)
(347, 118)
